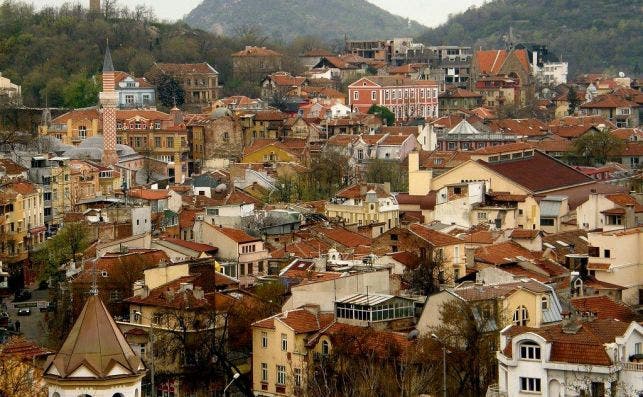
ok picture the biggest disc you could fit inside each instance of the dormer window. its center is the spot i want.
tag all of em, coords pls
(544, 302)
(530, 351)
(521, 316)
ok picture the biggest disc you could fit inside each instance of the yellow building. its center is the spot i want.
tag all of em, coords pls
(23, 223)
(365, 204)
(268, 150)
(525, 302)
(279, 352)
(73, 127)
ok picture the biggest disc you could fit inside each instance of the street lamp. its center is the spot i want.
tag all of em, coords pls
(444, 364)
(139, 314)
(234, 377)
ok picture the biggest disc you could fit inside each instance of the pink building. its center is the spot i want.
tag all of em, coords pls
(406, 98)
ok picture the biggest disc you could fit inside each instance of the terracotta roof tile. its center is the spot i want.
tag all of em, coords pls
(251, 51)
(148, 194)
(486, 292)
(237, 235)
(435, 238)
(525, 234)
(11, 168)
(186, 68)
(501, 253)
(199, 247)
(344, 237)
(604, 307)
(609, 102)
(301, 321)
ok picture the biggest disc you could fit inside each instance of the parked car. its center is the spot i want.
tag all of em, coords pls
(49, 308)
(25, 311)
(22, 295)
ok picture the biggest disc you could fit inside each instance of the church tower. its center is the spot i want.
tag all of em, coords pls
(109, 100)
(94, 5)
(95, 359)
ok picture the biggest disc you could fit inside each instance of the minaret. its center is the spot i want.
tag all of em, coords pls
(109, 100)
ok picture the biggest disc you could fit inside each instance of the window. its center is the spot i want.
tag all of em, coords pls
(129, 99)
(260, 266)
(226, 137)
(521, 316)
(264, 372)
(355, 95)
(394, 237)
(157, 125)
(529, 384)
(607, 253)
(325, 348)
(614, 220)
(547, 221)
(544, 302)
(530, 351)
(482, 216)
(281, 374)
(593, 252)
(264, 339)
(451, 145)
(157, 141)
(170, 141)
(82, 132)
(297, 377)
(373, 95)
(284, 342)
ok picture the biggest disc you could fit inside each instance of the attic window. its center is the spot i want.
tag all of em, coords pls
(544, 302)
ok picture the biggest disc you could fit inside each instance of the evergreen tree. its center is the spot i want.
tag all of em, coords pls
(572, 100)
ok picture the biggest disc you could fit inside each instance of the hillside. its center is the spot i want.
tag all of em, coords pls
(592, 35)
(284, 20)
(55, 53)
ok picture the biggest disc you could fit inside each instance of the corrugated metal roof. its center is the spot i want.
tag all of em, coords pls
(366, 300)
(552, 313)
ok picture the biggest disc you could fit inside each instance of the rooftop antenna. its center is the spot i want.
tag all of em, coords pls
(94, 288)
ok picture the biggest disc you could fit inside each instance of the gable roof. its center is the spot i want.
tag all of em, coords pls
(539, 173)
(198, 247)
(186, 68)
(501, 253)
(604, 307)
(11, 167)
(81, 348)
(238, 236)
(435, 238)
(252, 51)
(344, 236)
(472, 293)
(491, 61)
(300, 320)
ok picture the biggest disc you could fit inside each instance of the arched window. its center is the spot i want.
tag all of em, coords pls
(325, 348)
(84, 395)
(529, 351)
(56, 394)
(119, 394)
(521, 316)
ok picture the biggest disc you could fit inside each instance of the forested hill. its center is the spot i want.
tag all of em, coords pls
(592, 35)
(287, 19)
(55, 53)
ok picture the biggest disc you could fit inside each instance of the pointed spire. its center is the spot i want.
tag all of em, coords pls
(108, 66)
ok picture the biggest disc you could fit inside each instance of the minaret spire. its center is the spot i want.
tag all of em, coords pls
(109, 100)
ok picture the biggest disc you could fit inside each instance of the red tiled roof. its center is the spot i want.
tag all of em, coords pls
(283, 79)
(509, 147)
(251, 51)
(525, 233)
(539, 172)
(571, 131)
(120, 76)
(270, 115)
(187, 218)
(625, 200)
(342, 139)
(344, 237)
(435, 238)
(11, 168)
(148, 194)
(20, 186)
(142, 113)
(22, 349)
(554, 145)
(491, 61)
(479, 237)
(359, 190)
(305, 249)
(186, 68)
(168, 295)
(456, 92)
(114, 262)
(604, 307)
(498, 254)
(609, 102)
(633, 149)
(406, 258)
(191, 245)
(301, 321)
(522, 127)
(237, 235)
(396, 140)
(586, 346)
(77, 114)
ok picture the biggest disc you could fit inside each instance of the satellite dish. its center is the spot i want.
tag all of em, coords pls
(621, 74)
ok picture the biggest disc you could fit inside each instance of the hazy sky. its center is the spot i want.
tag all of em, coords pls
(428, 12)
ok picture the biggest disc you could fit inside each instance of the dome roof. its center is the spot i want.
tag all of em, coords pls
(220, 112)
(92, 148)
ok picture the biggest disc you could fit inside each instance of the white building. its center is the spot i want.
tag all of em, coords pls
(577, 358)
(552, 73)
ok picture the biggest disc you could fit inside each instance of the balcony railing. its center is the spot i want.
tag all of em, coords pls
(494, 391)
(632, 366)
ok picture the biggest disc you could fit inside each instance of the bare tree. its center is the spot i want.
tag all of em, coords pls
(19, 375)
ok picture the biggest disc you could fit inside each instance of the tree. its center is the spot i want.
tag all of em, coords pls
(572, 100)
(80, 92)
(428, 276)
(384, 113)
(380, 171)
(469, 332)
(65, 246)
(597, 147)
(170, 92)
(18, 374)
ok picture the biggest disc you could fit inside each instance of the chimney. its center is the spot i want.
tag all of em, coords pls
(414, 161)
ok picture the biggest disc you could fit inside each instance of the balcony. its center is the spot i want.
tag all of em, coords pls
(638, 367)
(494, 391)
